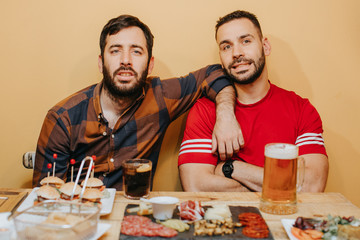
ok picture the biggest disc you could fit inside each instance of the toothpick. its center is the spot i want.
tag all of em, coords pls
(72, 162)
(48, 174)
(55, 157)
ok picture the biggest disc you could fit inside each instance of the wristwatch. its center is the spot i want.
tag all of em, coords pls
(228, 168)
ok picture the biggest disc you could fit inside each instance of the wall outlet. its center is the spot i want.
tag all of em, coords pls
(29, 160)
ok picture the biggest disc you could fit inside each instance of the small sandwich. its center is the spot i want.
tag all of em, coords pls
(94, 183)
(52, 181)
(92, 196)
(67, 189)
(46, 193)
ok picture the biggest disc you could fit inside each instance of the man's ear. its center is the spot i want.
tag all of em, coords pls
(151, 65)
(100, 64)
(266, 46)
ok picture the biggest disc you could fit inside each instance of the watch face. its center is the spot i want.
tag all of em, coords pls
(228, 169)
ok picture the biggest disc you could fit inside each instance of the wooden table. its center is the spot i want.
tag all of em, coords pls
(309, 205)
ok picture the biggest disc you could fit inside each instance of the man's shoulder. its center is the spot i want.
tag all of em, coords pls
(204, 109)
(284, 93)
(78, 99)
(205, 103)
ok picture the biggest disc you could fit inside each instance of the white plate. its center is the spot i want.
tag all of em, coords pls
(106, 203)
(101, 227)
(288, 223)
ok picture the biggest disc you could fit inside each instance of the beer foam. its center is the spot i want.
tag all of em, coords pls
(281, 151)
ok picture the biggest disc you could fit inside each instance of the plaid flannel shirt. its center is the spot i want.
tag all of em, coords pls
(75, 127)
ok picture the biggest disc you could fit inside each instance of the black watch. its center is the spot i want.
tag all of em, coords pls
(228, 168)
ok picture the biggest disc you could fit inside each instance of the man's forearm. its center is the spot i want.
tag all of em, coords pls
(198, 177)
(214, 183)
(225, 101)
(227, 135)
(248, 175)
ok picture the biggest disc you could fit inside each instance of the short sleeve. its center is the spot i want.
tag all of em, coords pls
(310, 135)
(196, 144)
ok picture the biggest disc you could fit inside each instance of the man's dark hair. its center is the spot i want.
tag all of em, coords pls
(124, 21)
(237, 15)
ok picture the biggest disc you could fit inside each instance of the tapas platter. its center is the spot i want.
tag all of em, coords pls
(189, 234)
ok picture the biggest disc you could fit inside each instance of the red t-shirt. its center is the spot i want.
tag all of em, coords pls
(281, 116)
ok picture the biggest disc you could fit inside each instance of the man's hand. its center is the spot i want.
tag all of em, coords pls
(227, 136)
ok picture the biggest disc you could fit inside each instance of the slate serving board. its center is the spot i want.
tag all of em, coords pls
(235, 210)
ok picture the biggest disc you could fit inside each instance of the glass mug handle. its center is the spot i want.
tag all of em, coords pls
(300, 173)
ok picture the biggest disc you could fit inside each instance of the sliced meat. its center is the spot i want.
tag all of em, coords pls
(191, 210)
(134, 225)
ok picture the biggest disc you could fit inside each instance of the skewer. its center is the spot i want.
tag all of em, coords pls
(72, 162)
(55, 157)
(93, 167)
(49, 166)
(92, 171)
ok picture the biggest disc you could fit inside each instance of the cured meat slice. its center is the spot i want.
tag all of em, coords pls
(191, 210)
(255, 225)
(134, 225)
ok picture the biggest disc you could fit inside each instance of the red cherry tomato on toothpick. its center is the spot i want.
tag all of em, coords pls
(49, 165)
(72, 161)
(93, 157)
(55, 156)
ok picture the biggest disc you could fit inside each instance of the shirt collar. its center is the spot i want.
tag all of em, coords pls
(97, 105)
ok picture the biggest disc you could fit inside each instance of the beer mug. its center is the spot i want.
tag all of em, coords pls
(283, 176)
(137, 178)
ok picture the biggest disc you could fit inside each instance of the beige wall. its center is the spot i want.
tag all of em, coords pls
(49, 50)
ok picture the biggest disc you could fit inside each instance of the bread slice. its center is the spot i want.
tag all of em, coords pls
(348, 232)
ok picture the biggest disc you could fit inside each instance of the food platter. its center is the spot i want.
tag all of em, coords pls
(235, 211)
(107, 201)
(288, 223)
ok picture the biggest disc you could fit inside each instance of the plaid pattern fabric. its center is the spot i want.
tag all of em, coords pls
(75, 127)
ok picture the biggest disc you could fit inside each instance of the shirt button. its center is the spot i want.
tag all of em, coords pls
(104, 133)
(111, 160)
(104, 175)
(112, 135)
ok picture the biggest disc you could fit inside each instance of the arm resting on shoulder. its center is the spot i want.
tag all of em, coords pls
(200, 177)
(248, 175)
(227, 136)
(316, 172)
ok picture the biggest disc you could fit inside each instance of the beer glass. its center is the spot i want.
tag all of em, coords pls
(137, 178)
(281, 178)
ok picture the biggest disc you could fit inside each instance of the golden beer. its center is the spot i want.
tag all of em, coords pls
(279, 183)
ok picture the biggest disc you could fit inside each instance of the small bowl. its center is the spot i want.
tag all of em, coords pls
(163, 207)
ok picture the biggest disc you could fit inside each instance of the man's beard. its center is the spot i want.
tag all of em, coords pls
(124, 92)
(259, 67)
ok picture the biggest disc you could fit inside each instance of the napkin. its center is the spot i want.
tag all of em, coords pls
(4, 223)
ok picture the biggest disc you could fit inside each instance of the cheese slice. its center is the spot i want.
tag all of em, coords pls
(217, 212)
